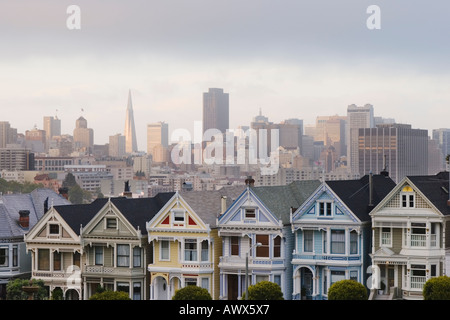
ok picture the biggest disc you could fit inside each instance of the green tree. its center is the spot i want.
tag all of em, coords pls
(57, 294)
(437, 288)
(14, 289)
(76, 194)
(110, 295)
(192, 293)
(69, 181)
(347, 290)
(265, 290)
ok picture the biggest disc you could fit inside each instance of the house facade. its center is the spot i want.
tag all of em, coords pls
(409, 236)
(332, 234)
(184, 240)
(256, 238)
(79, 248)
(18, 214)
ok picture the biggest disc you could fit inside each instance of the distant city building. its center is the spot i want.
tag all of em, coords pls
(397, 148)
(357, 117)
(442, 136)
(83, 137)
(130, 130)
(52, 163)
(52, 128)
(158, 141)
(35, 140)
(216, 110)
(117, 146)
(8, 135)
(16, 159)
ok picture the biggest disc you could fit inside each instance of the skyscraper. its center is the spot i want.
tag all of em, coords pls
(83, 137)
(52, 128)
(397, 148)
(216, 110)
(157, 135)
(130, 131)
(442, 137)
(357, 117)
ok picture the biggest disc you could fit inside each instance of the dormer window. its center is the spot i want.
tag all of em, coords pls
(111, 223)
(407, 197)
(325, 209)
(178, 217)
(53, 229)
(250, 213)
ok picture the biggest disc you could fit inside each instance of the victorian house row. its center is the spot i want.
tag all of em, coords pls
(303, 236)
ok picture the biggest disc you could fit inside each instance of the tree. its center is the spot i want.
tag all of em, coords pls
(437, 288)
(265, 290)
(192, 293)
(14, 289)
(69, 181)
(76, 194)
(110, 295)
(347, 290)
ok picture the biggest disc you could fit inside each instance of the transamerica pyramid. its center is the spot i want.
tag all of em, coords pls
(130, 131)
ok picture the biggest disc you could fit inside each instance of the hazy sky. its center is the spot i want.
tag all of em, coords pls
(292, 58)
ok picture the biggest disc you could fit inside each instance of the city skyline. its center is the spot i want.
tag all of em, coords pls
(291, 59)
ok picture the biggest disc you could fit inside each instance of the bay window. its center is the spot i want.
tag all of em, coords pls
(338, 241)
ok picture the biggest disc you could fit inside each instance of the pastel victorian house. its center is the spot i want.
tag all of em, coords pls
(332, 234)
(255, 228)
(185, 243)
(115, 245)
(56, 251)
(410, 236)
(18, 214)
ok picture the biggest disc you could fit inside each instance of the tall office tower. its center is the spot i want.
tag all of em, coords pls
(130, 131)
(357, 118)
(83, 137)
(52, 128)
(116, 146)
(157, 134)
(158, 141)
(442, 136)
(35, 140)
(397, 148)
(216, 110)
(332, 131)
(8, 135)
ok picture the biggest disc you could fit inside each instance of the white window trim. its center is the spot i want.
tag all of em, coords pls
(326, 204)
(161, 249)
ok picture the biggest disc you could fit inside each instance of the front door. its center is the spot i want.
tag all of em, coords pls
(307, 283)
(233, 287)
(391, 278)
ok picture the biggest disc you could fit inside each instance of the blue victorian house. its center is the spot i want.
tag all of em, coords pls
(332, 234)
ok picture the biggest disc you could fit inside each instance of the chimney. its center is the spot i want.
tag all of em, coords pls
(126, 192)
(250, 181)
(64, 191)
(24, 218)
(223, 204)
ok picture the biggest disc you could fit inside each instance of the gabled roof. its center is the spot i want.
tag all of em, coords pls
(11, 204)
(435, 188)
(136, 210)
(208, 204)
(280, 199)
(355, 193)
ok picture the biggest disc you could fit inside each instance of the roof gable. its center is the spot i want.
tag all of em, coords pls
(176, 215)
(430, 194)
(324, 205)
(249, 211)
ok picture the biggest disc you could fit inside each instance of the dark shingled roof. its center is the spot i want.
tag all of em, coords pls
(280, 199)
(137, 210)
(435, 188)
(11, 204)
(355, 193)
(208, 204)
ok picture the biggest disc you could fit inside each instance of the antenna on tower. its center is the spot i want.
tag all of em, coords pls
(56, 114)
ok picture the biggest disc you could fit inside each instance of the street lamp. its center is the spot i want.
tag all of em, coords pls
(246, 268)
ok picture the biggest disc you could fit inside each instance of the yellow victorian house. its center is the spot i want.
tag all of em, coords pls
(184, 240)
